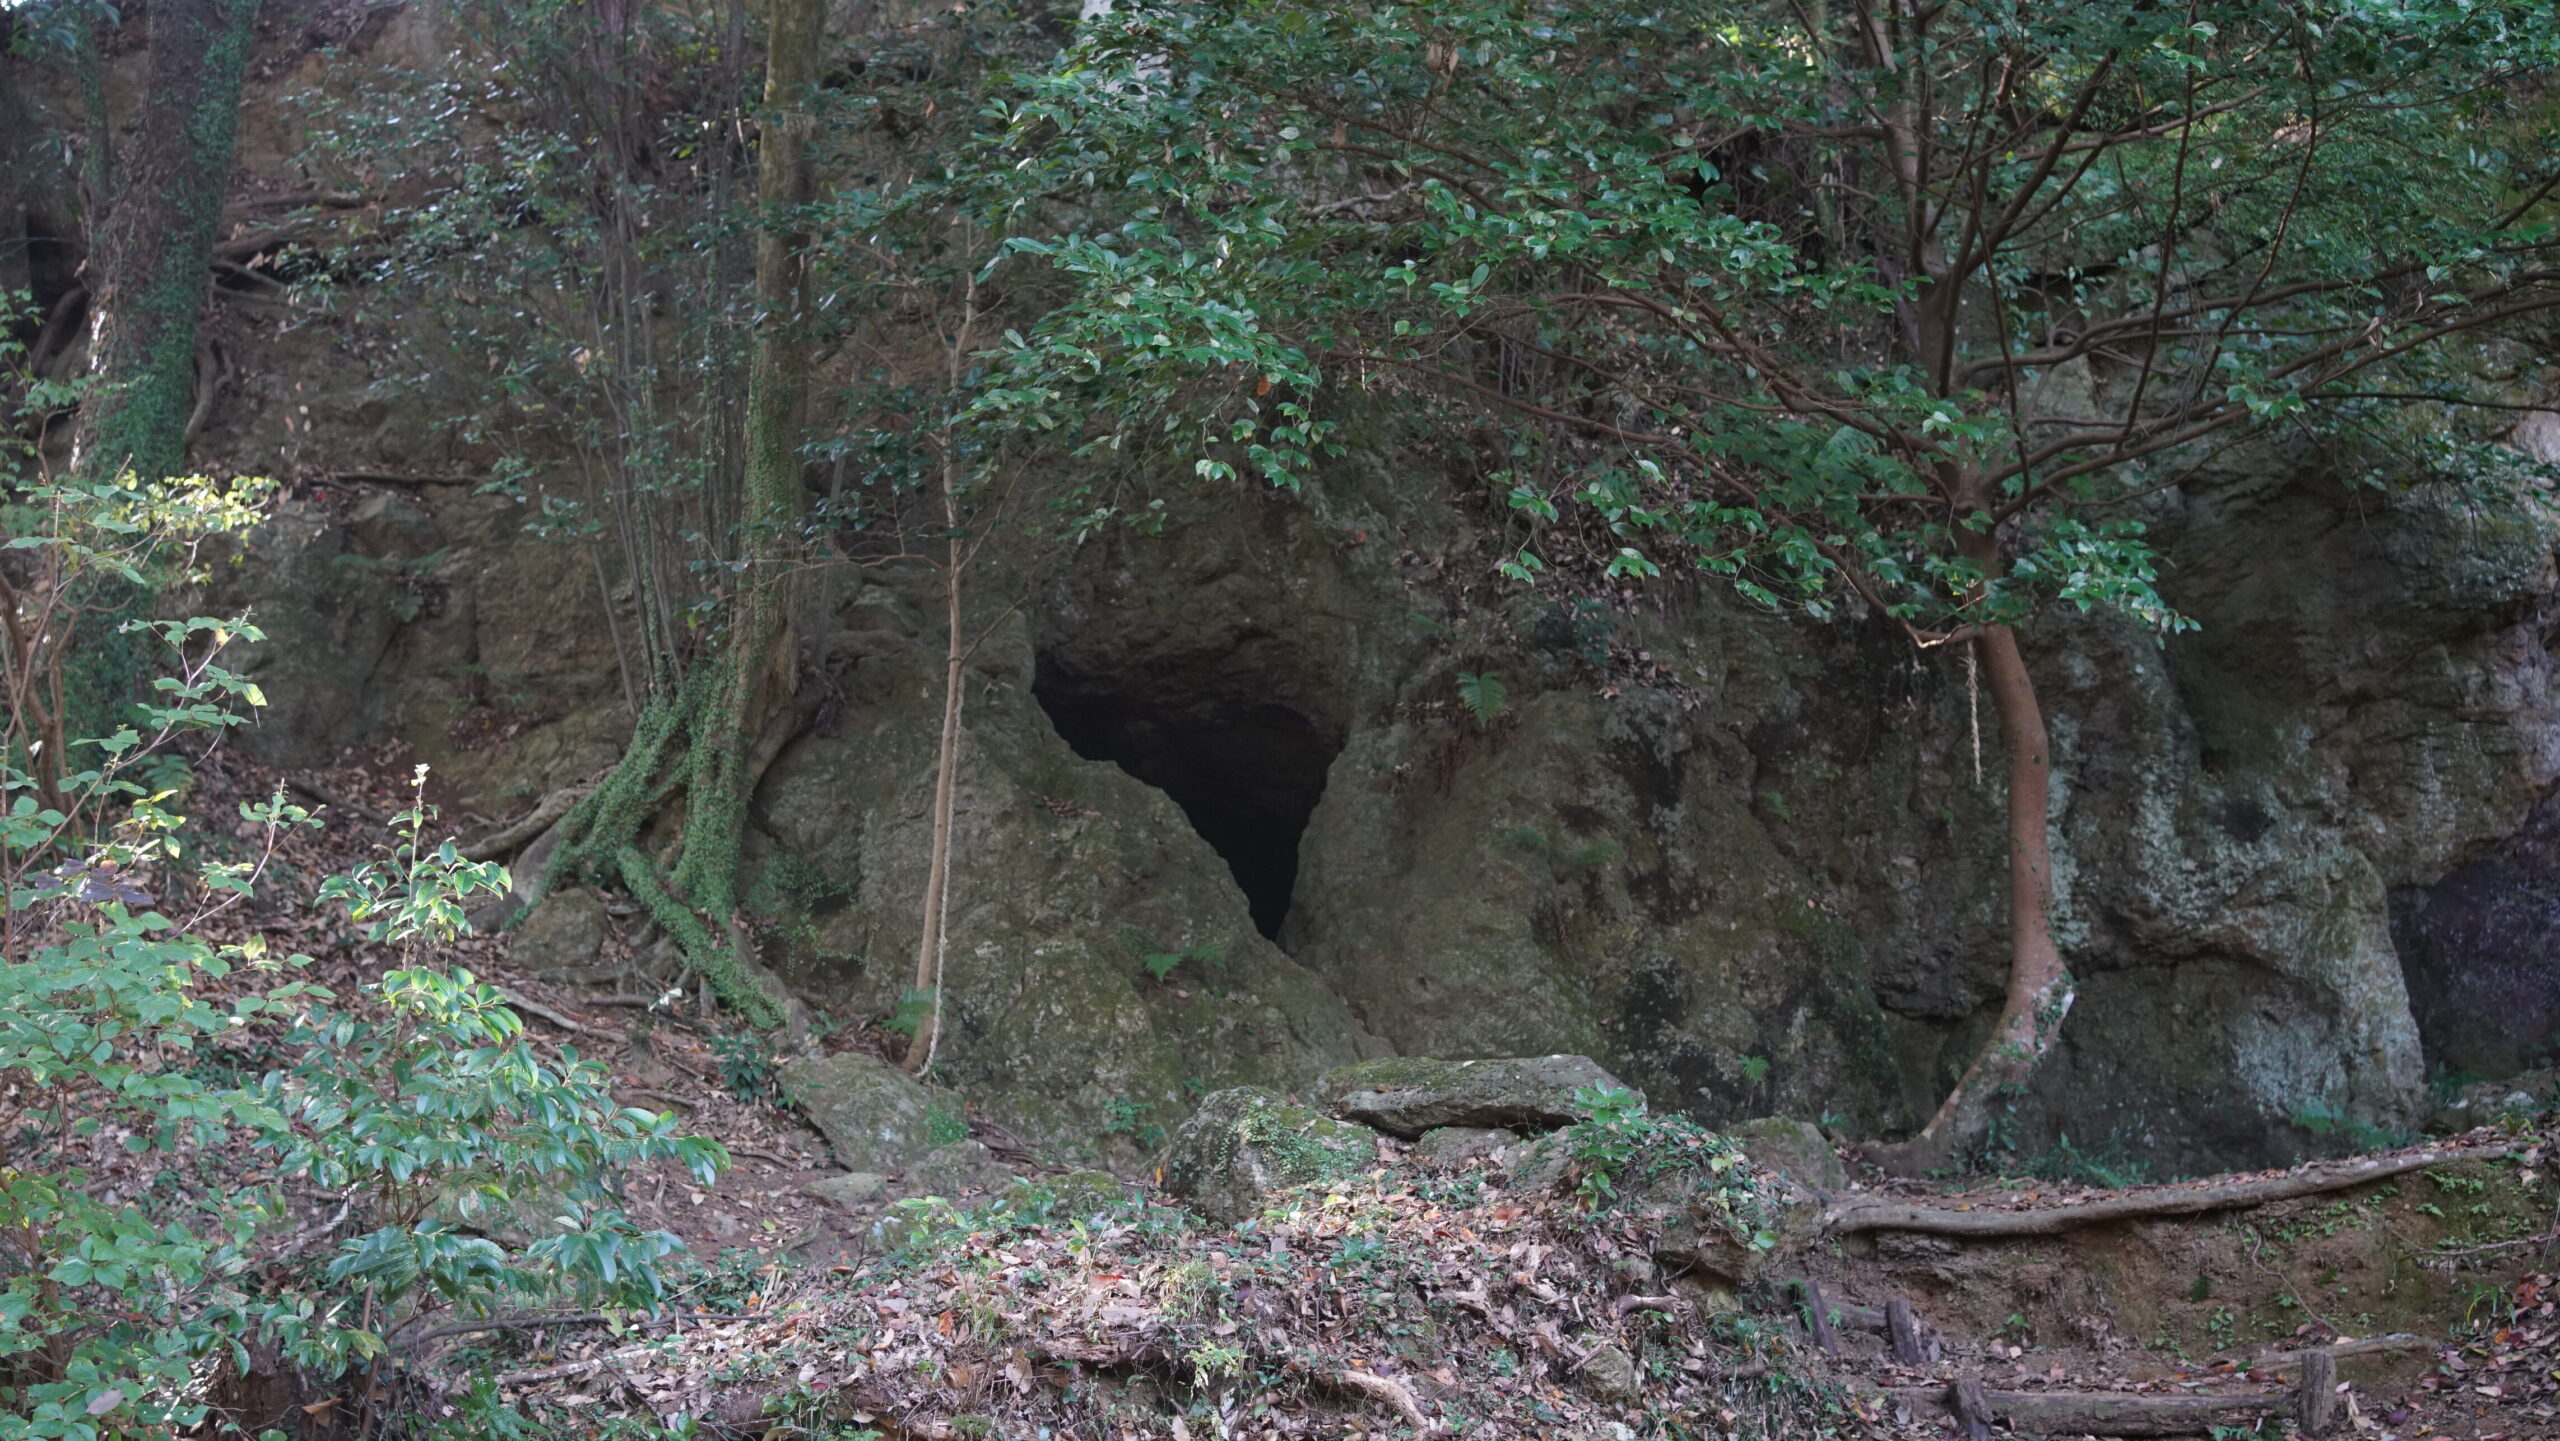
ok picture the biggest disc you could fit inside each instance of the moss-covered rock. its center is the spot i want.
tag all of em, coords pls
(1451, 1147)
(1405, 1096)
(1245, 1144)
(1795, 1149)
(962, 1168)
(875, 1117)
(567, 929)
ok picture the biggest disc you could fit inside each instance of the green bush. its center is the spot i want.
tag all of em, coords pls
(235, 1085)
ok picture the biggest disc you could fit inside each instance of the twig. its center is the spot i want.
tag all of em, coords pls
(2257, 1243)
(2433, 1257)
(1392, 1392)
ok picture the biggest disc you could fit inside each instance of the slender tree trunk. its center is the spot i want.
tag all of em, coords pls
(758, 666)
(2040, 989)
(937, 880)
(151, 250)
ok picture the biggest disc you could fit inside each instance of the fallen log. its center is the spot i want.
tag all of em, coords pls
(1860, 1216)
(2098, 1413)
(1818, 1317)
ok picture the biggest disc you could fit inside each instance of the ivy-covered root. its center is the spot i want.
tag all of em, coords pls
(599, 841)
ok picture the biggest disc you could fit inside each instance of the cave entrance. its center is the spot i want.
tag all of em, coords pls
(1246, 768)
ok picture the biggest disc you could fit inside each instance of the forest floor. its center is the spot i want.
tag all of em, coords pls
(1045, 1302)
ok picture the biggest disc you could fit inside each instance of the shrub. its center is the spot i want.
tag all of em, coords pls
(124, 1026)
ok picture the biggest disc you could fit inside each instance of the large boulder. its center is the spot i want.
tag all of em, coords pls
(1245, 1144)
(875, 1117)
(1405, 1096)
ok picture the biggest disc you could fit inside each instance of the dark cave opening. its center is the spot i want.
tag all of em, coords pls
(1247, 769)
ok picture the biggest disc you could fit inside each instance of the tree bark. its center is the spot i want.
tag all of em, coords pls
(2040, 990)
(150, 251)
(759, 661)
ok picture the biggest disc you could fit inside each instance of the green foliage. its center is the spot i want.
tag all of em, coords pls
(748, 1065)
(1483, 694)
(2108, 1166)
(1619, 1147)
(1162, 964)
(2321, 1118)
(237, 1086)
(2082, 244)
(1125, 1117)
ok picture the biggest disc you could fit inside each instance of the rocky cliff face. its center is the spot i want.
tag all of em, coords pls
(1223, 819)
(1746, 861)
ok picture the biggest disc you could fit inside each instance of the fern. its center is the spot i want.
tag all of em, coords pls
(1161, 964)
(1483, 693)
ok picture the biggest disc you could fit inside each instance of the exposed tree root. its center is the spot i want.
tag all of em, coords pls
(518, 832)
(2167, 1201)
(1390, 1391)
(562, 1019)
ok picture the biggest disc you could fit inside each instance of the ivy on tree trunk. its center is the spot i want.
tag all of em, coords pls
(150, 250)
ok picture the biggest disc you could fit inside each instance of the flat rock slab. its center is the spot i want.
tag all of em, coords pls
(1405, 1096)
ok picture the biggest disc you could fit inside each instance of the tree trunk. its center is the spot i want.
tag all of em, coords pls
(150, 252)
(937, 879)
(759, 661)
(730, 716)
(2040, 989)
